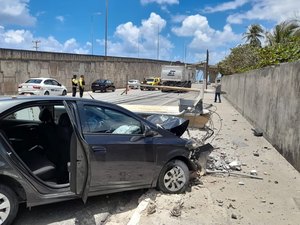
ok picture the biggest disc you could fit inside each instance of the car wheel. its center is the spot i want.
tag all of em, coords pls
(113, 90)
(93, 90)
(64, 93)
(174, 177)
(46, 93)
(9, 205)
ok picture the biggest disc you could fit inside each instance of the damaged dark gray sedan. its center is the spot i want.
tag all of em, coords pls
(58, 148)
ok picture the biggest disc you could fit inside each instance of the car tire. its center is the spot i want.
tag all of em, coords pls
(46, 93)
(113, 90)
(93, 90)
(174, 177)
(64, 93)
(9, 205)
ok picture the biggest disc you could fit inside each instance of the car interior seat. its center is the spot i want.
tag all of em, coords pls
(64, 131)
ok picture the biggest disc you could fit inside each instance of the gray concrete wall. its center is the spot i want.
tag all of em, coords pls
(16, 66)
(270, 99)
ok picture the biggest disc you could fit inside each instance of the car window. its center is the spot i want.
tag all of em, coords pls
(105, 120)
(30, 114)
(54, 82)
(34, 81)
(48, 82)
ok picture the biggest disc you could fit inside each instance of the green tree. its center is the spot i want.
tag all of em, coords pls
(242, 58)
(283, 32)
(253, 35)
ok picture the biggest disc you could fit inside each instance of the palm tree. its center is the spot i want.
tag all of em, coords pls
(283, 32)
(253, 35)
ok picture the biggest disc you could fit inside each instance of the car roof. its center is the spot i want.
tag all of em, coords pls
(41, 78)
(9, 102)
(102, 80)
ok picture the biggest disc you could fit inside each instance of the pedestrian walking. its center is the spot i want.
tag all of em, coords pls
(218, 91)
(81, 85)
(74, 85)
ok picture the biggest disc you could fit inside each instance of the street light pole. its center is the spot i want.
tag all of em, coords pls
(106, 18)
(92, 34)
(36, 44)
(157, 42)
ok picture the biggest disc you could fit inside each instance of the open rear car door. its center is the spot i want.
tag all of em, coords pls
(79, 168)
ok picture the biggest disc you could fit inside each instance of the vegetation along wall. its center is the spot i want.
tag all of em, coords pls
(270, 99)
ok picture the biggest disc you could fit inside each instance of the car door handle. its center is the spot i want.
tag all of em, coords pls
(100, 149)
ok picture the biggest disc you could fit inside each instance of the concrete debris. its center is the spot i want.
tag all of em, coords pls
(257, 132)
(176, 211)
(231, 206)
(233, 216)
(253, 172)
(235, 165)
(256, 154)
(151, 208)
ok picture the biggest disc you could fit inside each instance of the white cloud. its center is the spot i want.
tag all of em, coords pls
(160, 2)
(24, 39)
(203, 36)
(191, 25)
(226, 6)
(143, 41)
(60, 18)
(273, 10)
(15, 12)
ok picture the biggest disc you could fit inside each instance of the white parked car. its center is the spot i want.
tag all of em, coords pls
(42, 86)
(134, 84)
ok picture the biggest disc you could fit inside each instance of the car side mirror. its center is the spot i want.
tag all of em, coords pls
(59, 84)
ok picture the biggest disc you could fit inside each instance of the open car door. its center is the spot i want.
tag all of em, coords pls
(79, 167)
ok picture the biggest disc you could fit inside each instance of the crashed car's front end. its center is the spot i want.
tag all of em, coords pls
(198, 151)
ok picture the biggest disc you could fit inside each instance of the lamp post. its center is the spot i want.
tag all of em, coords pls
(106, 18)
(36, 44)
(92, 29)
(158, 42)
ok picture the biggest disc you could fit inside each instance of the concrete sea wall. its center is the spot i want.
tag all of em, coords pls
(270, 99)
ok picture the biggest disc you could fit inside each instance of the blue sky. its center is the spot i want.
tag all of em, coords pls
(179, 30)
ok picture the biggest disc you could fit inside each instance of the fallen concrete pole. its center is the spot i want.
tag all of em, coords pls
(174, 88)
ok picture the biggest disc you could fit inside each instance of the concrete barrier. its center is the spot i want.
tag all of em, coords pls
(16, 66)
(270, 99)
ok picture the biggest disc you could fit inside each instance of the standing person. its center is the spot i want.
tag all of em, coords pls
(218, 91)
(81, 85)
(74, 85)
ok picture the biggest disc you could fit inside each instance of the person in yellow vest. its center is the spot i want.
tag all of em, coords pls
(81, 85)
(74, 85)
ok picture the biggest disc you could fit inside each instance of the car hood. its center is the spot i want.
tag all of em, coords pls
(174, 124)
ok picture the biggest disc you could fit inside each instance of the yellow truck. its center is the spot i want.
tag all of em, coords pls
(153, 81)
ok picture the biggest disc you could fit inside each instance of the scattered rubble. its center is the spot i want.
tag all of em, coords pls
(176, 211)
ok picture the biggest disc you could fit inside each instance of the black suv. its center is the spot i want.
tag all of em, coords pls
(103, 85)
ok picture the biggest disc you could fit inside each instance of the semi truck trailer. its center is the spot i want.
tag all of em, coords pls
(177, 76)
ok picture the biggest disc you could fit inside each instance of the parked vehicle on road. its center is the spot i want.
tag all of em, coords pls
(103, 85)
(134, 84)
(42, 86)
(153, 81)
(177, 76)
(59, 148)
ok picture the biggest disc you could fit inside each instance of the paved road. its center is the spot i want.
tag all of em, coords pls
(137, 97)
